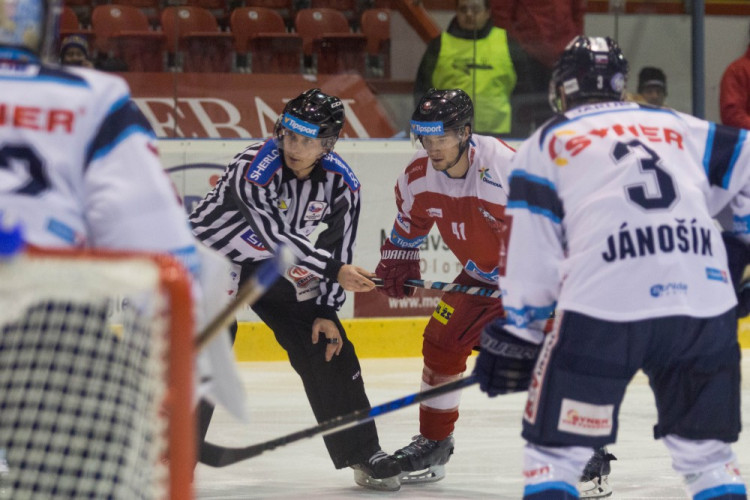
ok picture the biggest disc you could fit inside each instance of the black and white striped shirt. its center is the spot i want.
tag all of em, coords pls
(259, 204)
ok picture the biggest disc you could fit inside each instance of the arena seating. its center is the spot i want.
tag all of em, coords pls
(122, 33)
(195, 40)
(328, 42)
(260, 36)
(376, 26)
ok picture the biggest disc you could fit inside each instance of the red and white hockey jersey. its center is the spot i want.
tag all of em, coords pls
(469, 212)
(613, 208)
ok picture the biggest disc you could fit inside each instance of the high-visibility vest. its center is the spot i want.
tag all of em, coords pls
(487, 76)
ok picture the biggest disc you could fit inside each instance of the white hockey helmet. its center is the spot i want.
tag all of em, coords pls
(28, 28)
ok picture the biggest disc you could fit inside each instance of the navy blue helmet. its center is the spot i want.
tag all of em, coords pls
(590, 68)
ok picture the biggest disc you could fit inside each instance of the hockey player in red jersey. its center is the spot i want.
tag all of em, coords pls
(456, 182)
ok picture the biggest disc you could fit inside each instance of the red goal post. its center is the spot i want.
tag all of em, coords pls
(96, 375)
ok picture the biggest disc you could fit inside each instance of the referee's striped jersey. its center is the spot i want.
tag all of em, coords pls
(259, 204)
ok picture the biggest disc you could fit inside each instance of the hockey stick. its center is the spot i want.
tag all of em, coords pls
(249, 293)
(448, 287)
(220, 456)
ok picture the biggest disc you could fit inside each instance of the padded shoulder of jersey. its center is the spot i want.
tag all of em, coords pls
(332, 162)
(265, 164)
(61, 75)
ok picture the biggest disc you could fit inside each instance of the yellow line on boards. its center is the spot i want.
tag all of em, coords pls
(372, 338)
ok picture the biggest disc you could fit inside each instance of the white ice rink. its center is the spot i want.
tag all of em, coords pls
(486, 463)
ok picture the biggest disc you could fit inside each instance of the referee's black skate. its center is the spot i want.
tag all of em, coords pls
(594, 482)
(423, 461)
(380, 472)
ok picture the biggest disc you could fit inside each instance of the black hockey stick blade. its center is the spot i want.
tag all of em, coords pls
(219, 456)
(449, 287)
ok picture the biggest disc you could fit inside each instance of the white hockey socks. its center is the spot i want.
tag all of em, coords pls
(547, 469)
(708, 466)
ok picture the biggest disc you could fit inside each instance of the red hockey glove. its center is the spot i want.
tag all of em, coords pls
(395, 267)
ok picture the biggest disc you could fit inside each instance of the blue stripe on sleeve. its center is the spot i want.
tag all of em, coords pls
(723, 147)
(522, 318)
(741, 224)
(535, 194)
(402, 242)
(123, 120)
(735, 154)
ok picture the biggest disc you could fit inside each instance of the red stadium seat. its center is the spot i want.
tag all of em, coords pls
(122, 32)
(376, 26)
(261, 33)
(346, 7)
(218, 8)
(70, 25)
(149, 7)
(326, 37)
(193, 35)
(284, 7)
(82, 10)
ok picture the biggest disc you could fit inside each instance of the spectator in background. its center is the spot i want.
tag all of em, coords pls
(734, 94)
(538, 31)
(74, 51)
(652, 86)
(472, 55)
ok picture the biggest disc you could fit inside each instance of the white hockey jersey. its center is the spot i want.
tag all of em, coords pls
(469, 212)
(79, 165)
(612, 206)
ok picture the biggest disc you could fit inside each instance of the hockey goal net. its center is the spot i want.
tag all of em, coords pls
(95, 377)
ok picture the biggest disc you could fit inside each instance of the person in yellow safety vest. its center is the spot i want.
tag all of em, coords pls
(472, 55)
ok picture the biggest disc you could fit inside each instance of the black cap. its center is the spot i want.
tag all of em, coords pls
(651, 77)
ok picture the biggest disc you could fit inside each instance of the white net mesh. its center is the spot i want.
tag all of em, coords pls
(82, 379)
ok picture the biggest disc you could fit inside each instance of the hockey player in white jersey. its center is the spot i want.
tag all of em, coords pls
(78, 161)
(613, 205)
(79, 166)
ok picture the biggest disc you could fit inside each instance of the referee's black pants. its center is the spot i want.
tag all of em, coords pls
(333, 388)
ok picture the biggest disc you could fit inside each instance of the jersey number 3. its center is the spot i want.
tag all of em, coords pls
(648, 163)
(11, 155)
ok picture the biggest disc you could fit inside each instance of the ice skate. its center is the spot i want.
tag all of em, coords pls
(594, 482)
(380, 472)
(423, 461)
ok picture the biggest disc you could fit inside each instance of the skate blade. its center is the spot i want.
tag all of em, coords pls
(386, 484)
(429, 475)
(596, 488)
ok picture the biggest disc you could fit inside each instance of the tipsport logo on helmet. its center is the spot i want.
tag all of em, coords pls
(427, 128)
(300, 127)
